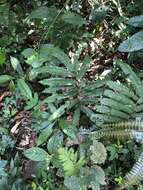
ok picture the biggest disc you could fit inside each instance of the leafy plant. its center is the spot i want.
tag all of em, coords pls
(67, 87)
(69, 161)
(127, 129)
(134, 43)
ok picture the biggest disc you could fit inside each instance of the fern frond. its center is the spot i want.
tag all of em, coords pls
(118, 103)
(136, 125)
(119, 134)
(68, 159)
(135, 176)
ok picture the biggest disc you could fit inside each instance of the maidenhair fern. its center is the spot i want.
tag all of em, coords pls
(69, 160)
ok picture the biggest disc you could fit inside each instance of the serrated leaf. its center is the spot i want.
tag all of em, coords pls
(58, 113)
(134, 79)
(24, 88)
(129, 72)
(2, 165)
(134, 43)
(36, 154)
(44, 135)
(99, 175)
(89, 113)
(117, 105)
(120, 98)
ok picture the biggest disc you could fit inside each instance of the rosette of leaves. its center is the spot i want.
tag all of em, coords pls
(66, 87)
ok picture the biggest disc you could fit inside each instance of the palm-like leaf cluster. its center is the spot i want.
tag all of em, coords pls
(66, 88)
(120, 105)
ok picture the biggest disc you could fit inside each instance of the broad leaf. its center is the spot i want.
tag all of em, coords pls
(72, 183)
(24, 88)
(44, 12)
(45, 134)
(5, 78)
(136, 21)
(134, 43)
(16, 65)
(36, 154)
(98, 14)
(55, 142)
(73, 18)
(67, 128)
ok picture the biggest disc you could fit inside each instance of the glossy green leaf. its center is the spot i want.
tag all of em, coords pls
(72, 183)
(44, 12)
(5, 78)
(16, 65)
(44, 135)
(36, 154)
(98, 14)
(57, 82)
(67, 128)
(2, 57)
(55, 142)
(134, 43)
(136, 21)
(24, 88)
(58, 113)
(73, 18)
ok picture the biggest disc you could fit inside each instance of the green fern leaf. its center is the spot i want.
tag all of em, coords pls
(68, 159)
(135, 176)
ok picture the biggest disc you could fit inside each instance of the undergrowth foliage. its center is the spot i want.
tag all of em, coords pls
(125, 111)
(65, 93)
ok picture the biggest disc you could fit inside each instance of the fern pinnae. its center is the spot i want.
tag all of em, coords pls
(135, 175)
(136, 125)
(69, 160)
(119, 134)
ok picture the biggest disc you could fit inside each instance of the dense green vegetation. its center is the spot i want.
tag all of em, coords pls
(71, 95)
